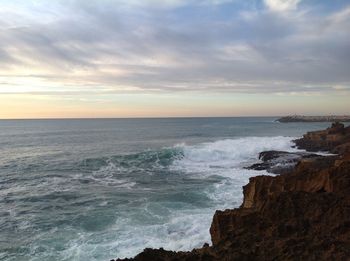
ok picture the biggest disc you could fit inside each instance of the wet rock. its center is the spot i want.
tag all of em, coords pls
(280, 162)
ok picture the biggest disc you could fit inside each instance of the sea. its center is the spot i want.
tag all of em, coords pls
(97, 189)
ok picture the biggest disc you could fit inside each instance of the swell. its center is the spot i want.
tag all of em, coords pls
(143, 160)
(221, 154)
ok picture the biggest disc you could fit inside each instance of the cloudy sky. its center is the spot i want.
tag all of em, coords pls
(151, 58)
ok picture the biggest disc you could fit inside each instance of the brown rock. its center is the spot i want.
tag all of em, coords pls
(342, 149)
(325, 140)
(310, 175)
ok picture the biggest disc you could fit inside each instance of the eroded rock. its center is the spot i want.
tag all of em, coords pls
(325, 140)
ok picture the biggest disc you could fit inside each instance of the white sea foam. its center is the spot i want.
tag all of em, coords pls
(209, 158)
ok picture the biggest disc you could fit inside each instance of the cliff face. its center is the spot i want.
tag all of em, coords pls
(307, 208)
(311, 175)
(301, 215)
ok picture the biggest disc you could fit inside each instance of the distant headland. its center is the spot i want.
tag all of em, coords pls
(300, 118)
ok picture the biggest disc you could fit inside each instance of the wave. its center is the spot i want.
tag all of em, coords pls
(228, 153)
(217, 158)
(176, 191)
(191, 158)
(144, 160)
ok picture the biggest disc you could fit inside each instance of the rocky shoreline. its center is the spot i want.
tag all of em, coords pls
(301, 214)
(300, 118)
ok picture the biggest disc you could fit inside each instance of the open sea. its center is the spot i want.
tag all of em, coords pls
(97, 189)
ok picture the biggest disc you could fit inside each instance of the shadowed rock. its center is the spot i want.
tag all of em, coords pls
(280, 162)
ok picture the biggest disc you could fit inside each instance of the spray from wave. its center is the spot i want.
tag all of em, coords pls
(207, 158)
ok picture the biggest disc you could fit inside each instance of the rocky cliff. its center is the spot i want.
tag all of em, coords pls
(301, 215)
(335, 139)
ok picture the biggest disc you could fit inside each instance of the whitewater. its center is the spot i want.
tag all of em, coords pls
(100, 189)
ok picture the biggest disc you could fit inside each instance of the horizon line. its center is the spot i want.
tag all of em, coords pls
(122, 118)
(165, 117)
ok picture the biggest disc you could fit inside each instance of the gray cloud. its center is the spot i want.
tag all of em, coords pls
(105, 45)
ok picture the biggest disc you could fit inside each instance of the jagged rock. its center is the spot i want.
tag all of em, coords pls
(280, 162)
(310, 175)
(325, 140)
(290, 226)
(291, 216)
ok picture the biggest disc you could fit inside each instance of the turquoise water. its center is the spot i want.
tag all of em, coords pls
(100, 189)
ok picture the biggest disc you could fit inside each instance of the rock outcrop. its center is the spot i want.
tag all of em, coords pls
(280, 162)
(332, 139)
(310, 175)
(301, 215)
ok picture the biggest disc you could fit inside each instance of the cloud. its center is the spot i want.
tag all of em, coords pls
(104, 47)
(282, 5)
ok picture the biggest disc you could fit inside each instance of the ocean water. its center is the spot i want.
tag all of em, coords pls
(105, 188)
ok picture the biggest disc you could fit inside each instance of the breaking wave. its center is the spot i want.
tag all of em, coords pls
(116, 206)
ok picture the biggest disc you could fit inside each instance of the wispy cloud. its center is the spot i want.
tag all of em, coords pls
(282, 5)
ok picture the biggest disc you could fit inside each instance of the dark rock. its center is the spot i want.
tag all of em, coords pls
(303, 215)
(280, 162)
(342, 149)
(289, 226)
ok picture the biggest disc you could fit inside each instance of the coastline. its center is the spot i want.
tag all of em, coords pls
(300, 118)
(301, 214)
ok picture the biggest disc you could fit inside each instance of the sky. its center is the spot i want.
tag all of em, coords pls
(173, 58)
